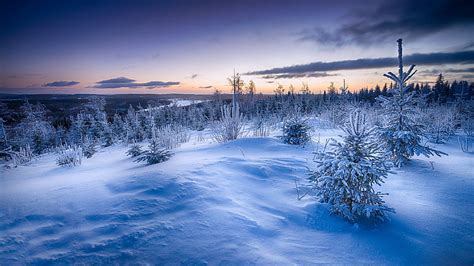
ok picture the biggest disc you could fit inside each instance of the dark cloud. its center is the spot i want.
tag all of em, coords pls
(299, 75)
(468, 76)
(155, 84)
(205, 87)
(61, 83)
(116, 80)
(468, 46)
(370, 63)
(193, 76)
(446, 71)
(122, 82)
(462, 70)
(322, 36)
(400, 18)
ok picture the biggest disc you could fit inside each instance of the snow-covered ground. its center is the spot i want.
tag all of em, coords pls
(232, 203)
(181, 102)
(174, 102)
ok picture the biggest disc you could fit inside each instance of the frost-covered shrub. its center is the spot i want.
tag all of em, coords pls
(345, 176)
(200, 137)
(21, 157)
(296, 131)
(464, 143)
(467, 119)
(261, 127)
(34, 128)
(154, 154)
(133, 129)
(230, 126)
(89, 148)
(68, 156)
(172, 137)
(467, 126)
(333, 115)
(439, 123)
(373, 117)
(198, 120)
(107, 138)
(135, 150)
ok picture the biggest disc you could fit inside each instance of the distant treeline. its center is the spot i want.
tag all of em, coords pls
(441, 92)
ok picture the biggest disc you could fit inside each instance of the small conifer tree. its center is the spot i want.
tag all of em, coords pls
(400, 132)
(345, 176)
(135, 150)
(296, 131)
(155, 153)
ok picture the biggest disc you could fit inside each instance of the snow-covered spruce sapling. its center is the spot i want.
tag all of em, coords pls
(155, 153)
(135, 150)
(296, 131)
(346, 175)
(400, 133)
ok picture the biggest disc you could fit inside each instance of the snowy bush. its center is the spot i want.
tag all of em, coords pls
(373, 118)
(200, 137)
(134, 151)
(261, 127)
(333, 115)
(21, 157)
(88, 148)
(345, 177)
(467, 120)
(68, 156)
(296, 131)
(464, 143)
(154, 154)
(107, 138)
(172, 136)
(467, 126)
(439, 123)
(230, 126)
(34, 129)
(132, 127)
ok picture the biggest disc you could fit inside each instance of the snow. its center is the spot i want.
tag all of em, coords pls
(232, 203)
(182, 102)
(174, 102)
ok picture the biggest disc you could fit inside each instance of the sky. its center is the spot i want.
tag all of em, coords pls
(144, 46)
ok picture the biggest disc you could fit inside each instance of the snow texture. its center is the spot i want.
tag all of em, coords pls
(231, 203)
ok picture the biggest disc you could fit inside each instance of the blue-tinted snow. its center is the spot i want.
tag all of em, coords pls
(231, 203)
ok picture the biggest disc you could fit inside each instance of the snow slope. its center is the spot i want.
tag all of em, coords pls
(232, 203)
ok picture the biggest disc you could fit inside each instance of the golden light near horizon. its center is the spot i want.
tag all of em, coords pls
(195, 48)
